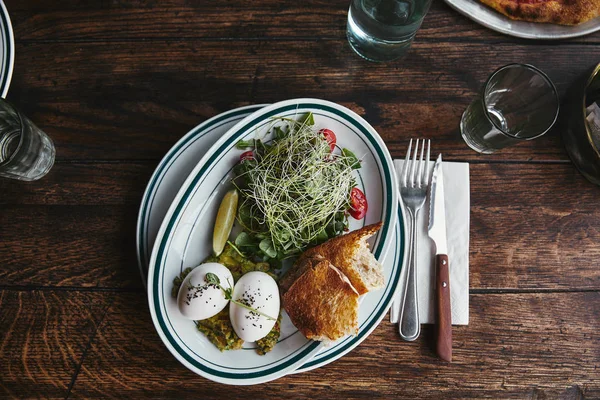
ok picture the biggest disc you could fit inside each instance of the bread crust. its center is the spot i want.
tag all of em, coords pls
(321, 302)
(562, 12)
(341, 252)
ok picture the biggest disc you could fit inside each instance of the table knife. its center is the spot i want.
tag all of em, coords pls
(437, 232)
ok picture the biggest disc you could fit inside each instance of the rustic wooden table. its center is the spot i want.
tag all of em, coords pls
(116, 84)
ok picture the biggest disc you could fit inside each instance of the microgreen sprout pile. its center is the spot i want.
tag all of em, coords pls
(294, 190)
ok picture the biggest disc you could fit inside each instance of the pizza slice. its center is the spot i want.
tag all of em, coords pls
(562, 12)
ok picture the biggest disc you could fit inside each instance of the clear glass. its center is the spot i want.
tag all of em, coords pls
(518, 102)
(26, 153)
(383, 30)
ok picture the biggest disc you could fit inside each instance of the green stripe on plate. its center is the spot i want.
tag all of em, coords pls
(8, 50)
(195, 134)
(185, 198)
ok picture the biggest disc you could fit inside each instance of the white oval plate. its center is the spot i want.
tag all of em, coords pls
(492, 19)
(7, 50)
(172, 172)
(185, 236)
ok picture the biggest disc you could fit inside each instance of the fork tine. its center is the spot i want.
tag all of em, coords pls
(420, 180)
(406, 164)
(426, 180)
(413, 164)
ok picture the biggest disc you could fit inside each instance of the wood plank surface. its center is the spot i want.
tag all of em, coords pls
(116, 84)
(533, 226)
(516, 346)
(82, 246)
(78, 20)
(43, 337)
(135, 101)
(78, 184)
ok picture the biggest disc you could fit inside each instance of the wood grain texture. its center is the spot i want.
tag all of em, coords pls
(134, 101)
(533, 227)
(76, 184)
(181, 19)
(443, 308)
(533, 221)
(43, 338)
(516, 345)
(82, 246)
(116, 84)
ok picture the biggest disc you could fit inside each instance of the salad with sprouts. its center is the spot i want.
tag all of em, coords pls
(296, 190)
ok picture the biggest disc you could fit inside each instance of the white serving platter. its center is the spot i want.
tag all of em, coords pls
(184, 240)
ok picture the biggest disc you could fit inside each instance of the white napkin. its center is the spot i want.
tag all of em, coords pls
(457, 198)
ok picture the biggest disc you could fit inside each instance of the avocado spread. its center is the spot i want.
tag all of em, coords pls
(218, 328)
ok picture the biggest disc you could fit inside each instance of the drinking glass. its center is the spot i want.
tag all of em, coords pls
(517, 103)
(383, 30)
(26, 153)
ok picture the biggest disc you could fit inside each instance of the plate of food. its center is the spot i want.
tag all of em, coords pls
(540, 19)
(7, 50)
(295, 204)
(169, 176)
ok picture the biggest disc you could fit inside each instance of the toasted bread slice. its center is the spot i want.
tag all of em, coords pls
(321, 302)
(350, 254)
(296, 271)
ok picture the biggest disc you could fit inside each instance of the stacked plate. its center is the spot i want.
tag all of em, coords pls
(7, 50)
(175, 232)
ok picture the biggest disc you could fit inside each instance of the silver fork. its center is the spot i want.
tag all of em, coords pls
(414, 181)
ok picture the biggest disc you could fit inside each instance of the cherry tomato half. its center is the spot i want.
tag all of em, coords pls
(358, 204)
(329, 137)
(247, 155)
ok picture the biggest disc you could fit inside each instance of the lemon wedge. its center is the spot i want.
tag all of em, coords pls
(225, 219)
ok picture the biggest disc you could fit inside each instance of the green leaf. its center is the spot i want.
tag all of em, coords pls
(339, 226)
(244, 240)
(245, 144)
(245, 215)
(212, 278)
(239, 169)
(351, 159)
(307, 119)
(279, 133)
(266, 245)
(322, 236)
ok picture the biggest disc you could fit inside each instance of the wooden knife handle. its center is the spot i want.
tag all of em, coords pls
(443, 310)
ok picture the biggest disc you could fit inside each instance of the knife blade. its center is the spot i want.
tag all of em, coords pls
(437, 232)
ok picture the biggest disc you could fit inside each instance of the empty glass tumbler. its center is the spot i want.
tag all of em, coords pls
(383, 30)
(26, 153)
(517, 103)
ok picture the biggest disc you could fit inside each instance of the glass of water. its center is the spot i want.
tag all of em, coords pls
(26, 153)
(518, 102)
(383, 30)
